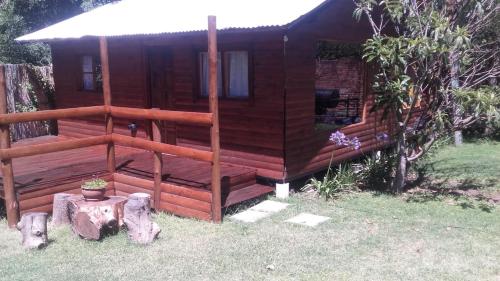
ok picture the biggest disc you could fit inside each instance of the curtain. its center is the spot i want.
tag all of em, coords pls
(204, 74)
(238, 73)
(88, 72)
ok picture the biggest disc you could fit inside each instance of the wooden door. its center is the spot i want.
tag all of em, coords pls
(160, 87)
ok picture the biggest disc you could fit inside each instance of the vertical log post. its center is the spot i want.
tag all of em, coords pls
(11, 203)
(157, 164)
(106, 89)
(214, 109)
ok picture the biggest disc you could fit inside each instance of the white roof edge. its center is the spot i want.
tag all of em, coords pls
(158, 17)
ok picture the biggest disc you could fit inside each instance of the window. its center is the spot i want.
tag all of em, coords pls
(339, 83)
(233, 73)
(91, 73)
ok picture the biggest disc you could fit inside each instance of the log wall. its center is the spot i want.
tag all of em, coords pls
(251, 130)
(39, 197)
(308, 150)
(273, 131)
(178, 200)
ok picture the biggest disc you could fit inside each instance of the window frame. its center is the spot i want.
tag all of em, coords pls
(80, 72)
(225, 73)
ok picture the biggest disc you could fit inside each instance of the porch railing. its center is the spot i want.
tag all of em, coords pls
(154, 144)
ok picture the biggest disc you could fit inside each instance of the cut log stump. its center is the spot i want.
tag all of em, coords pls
(137, 218)
(92, 220)
(60, 214)
(33, 227)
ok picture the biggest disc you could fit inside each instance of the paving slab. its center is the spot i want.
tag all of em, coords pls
(260, 211)
(269, 206)
(308, 219)
(250, 216)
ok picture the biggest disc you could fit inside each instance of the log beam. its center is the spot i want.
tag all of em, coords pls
(157, 164)
(51, 114)
(106, 90)
(195, 118)
(11, 202)
(214, 109)
(192, 153)
(36, 149)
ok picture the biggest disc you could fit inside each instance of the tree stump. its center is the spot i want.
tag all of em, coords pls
(137, 218)
(33, 227)
(60, 214)
(92, 220)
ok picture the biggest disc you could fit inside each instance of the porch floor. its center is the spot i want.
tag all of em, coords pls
(37, 177)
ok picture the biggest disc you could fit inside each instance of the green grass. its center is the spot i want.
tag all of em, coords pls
(370, 236)
(475, 165)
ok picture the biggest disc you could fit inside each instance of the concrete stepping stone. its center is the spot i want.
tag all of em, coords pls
(308, 219)
(269, 206)
(260, 211)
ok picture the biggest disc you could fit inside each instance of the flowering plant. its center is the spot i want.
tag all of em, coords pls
(344, 178)
(382, 136)
(341, 139)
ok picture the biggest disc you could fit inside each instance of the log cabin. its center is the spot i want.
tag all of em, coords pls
(278, 101)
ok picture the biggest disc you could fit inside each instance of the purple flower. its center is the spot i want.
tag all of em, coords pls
(382, 136)
(355, 143)
(341, 139)
(338, 138)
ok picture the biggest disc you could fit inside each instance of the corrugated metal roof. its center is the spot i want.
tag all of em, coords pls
(148, 17)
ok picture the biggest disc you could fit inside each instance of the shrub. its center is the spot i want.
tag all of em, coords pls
(334, 183)
(377, 172)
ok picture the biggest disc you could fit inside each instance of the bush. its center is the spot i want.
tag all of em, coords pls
(482, 105)
(377, 171)
(334, 183)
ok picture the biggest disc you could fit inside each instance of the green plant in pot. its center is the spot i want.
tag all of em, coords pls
(94, 190)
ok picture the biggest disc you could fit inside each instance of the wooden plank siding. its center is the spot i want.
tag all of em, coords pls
(272, 132)
(306, 149)
(251, 130)
(185, 187)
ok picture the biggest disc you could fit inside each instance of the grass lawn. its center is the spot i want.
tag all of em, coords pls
(370, 236)
(475, 165)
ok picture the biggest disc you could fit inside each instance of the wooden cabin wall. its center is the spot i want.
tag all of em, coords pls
(251, 130)
(252, 133)
(128, 85)
(308, 150)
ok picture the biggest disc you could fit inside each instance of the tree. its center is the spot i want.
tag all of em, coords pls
(425, 51)
(21, 17)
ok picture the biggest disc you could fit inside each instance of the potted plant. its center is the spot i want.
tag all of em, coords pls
(94, 190)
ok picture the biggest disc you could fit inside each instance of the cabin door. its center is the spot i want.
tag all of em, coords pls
(160, 87)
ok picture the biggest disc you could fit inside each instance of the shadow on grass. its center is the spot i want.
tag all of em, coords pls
(3, 211)
(467, 193)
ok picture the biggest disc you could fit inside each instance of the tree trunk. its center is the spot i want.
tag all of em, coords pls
(60, 214)
(33, 227)
(458, 137)
(455, 84)
(137, 218)
(399, 181)
(92, 220)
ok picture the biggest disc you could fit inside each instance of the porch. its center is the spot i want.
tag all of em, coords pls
(185, 188)
(185, 181)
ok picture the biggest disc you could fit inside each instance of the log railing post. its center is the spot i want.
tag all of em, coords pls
(106, 89)
(157, 163)
(214, 109)
(11, 203)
